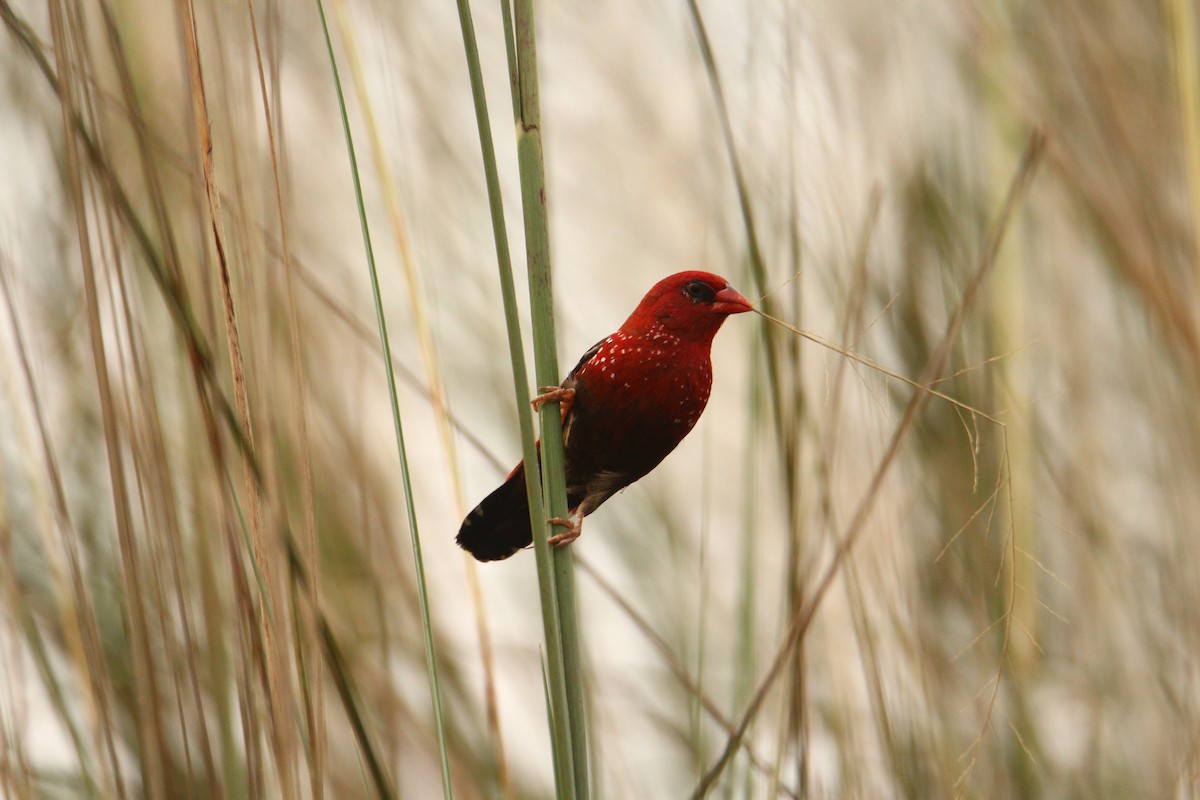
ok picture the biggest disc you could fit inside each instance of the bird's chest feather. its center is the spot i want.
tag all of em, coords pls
(636, 398)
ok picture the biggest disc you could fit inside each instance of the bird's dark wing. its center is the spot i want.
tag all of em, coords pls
(572, 382)
(569, 381)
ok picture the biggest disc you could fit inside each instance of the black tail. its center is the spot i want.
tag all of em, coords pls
(499, 526)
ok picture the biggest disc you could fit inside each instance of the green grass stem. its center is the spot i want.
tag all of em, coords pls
(405, 474)
(560, 732)
(541, 296)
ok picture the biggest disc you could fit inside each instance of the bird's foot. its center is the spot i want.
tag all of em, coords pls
(573, 525)
(553, 394)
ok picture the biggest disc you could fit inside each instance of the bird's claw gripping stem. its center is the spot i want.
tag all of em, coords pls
(573, 525)
(553, 394)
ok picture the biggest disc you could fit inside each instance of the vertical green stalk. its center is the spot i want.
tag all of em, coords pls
(748, 580)
(537, 247)
(558, 693)
(405, 474)
(1181, 22)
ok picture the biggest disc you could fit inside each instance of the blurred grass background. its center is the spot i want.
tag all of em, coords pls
(1017, 616)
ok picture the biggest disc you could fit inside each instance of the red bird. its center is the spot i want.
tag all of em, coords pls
(628, 403)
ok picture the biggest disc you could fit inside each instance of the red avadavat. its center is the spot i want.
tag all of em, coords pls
(628, 403)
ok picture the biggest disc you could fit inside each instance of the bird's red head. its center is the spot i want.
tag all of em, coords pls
(688, 304)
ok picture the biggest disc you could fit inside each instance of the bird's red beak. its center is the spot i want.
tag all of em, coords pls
(728, 301)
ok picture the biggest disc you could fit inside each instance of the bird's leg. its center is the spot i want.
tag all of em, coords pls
(574, 522)
(554, 394)
(573, 525)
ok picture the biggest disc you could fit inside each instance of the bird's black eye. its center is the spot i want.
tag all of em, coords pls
(700, 292)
